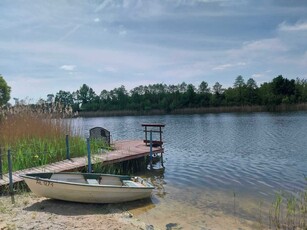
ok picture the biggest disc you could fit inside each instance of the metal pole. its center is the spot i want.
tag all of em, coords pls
(89, 155)
(1, 172)
(67, 148)
(150, 156)
(146, 135)
(10, 175)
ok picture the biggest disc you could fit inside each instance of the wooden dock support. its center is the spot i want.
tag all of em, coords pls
(152, 128)
(1, 172)
(11, 187)
(89, 164)
(150, 156)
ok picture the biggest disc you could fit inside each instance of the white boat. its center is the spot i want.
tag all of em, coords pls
(88, 187)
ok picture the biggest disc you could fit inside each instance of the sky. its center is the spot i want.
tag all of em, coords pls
(52, 45)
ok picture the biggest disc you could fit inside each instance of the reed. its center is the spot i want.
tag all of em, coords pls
(289, 211)
(36, 136)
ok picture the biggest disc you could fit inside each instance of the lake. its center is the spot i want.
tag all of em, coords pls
(224, 164)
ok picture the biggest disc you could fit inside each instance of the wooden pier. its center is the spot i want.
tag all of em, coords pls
(124, 151)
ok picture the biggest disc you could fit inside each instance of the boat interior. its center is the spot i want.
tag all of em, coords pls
(94, 179)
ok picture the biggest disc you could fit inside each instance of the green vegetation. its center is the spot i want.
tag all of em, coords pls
(37, 137)
(289, 212)
(5, 91)
(181, 97)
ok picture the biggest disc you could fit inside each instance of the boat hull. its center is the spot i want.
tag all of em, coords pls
(86, 193)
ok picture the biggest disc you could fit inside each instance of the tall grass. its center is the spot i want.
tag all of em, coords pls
(289, 211)
(36, 136)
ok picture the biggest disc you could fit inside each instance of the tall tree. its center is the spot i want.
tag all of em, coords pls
(5, 91)
(239, 86)
(65, 98)
(251, 83)
(252, 90)
(203, 87)
(217, 88)
(239, 82)
(86, 94)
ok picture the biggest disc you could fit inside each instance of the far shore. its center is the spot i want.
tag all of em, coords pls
(202, 110)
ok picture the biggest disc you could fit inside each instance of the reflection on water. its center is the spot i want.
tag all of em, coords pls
(210, 160)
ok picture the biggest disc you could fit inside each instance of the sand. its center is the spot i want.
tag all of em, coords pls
(32, 212)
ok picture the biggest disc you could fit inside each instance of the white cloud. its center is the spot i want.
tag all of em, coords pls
(272, 44)
(225, 66)
(68, 67)
(298, 26)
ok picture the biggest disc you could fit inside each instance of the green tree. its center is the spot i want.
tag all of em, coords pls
(218, 96)
(203, 87)
(204, 94)
(85, 94)
(252, 92)
(88, 99)
(251, 83)
(239, 87)
(65, 98)
(283, 89)
(217, 88)
(301, 90)
(239, 82)
(5, 91)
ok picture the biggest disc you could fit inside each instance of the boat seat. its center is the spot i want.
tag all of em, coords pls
(130, 183)
(75, 178)
(110, 180)
(92, 181)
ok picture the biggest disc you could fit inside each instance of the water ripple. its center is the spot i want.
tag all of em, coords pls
(257, 153)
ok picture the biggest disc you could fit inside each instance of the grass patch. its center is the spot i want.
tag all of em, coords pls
(289, 211)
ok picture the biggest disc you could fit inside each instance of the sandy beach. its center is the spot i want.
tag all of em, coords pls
(32, 212)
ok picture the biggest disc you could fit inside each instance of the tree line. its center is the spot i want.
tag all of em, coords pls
(175, 97)
(171, 97)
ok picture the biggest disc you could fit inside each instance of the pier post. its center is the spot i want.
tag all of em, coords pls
(150, 156)
(67, 148)
(89, 168)
(1, 172)
(9, 158)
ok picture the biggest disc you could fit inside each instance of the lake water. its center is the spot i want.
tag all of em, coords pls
(215, 164)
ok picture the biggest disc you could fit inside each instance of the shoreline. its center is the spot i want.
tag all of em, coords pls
(202, 110)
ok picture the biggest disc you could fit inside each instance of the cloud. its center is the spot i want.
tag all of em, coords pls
(68, 67)
(298, 26)
(225, 66)
(271, 44)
